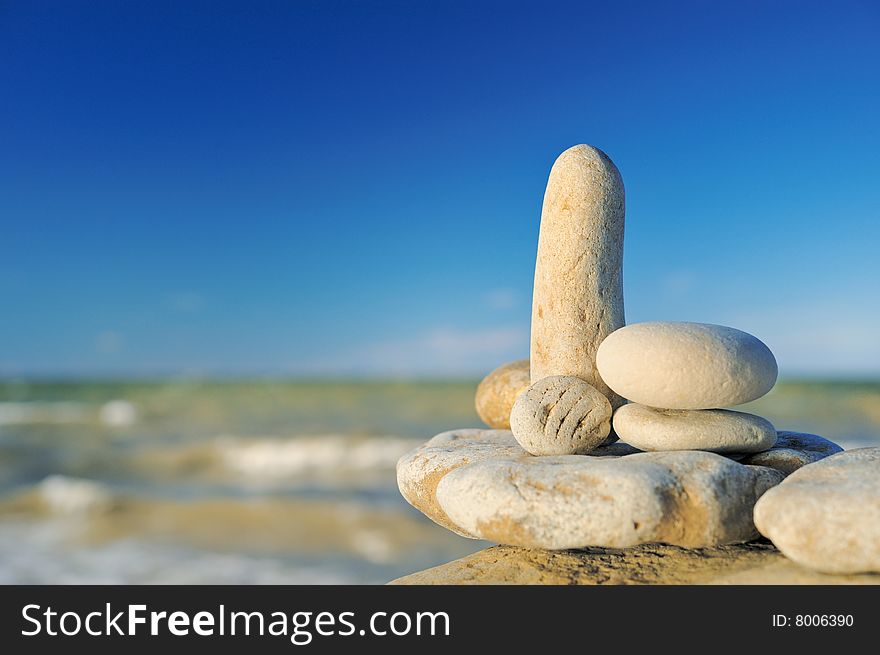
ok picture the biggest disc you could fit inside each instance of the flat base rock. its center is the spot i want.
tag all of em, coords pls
(482, 484)
(755, 563)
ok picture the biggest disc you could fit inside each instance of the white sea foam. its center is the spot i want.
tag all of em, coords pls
(45, 553)
(114, 413)
(65, 495)
(12, 413)
(118, 414)
(272, 457)
(373, 545)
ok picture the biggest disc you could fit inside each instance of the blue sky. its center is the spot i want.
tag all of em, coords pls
(328, 188)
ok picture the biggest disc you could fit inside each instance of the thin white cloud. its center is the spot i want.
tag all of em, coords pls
(820, 338)
(109, 342)
(186, 302)
(440, 351)
(678, 284)
(502, 299)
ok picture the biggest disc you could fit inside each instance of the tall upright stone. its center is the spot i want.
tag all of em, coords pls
(578, 294)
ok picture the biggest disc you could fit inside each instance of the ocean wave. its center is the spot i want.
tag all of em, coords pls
(58, 496)
(276, 457)
(43, 553)
(118, 414)
(12, 413)
(114, 413)
(65, 495)
(218, 540)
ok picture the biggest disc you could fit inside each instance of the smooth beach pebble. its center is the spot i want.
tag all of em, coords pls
(685, 498)
(674, 365)
(714, 430)
(420, 470)
(578, 293)
(482, 484)
(499, 390)
(793, 450)
(560, 415)
(826, 515)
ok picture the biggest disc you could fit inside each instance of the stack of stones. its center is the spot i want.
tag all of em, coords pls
(551, 473)
(677, 375)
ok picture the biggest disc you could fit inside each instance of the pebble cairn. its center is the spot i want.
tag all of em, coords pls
(617, 435)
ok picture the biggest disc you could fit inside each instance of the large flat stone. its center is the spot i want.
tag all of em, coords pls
(481, 484)
(420, 471)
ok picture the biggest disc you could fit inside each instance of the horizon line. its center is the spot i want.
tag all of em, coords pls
(233, 378)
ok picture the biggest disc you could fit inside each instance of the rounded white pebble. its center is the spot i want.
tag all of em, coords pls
(715, 430)
(675, 365)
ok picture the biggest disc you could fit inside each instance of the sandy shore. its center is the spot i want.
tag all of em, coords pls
(753, 564)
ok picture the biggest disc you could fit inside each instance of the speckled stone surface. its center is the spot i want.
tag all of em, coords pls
(578, 292)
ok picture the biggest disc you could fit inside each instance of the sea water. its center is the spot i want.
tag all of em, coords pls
(259, 482)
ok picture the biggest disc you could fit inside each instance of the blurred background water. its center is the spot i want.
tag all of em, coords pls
(259, 482)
